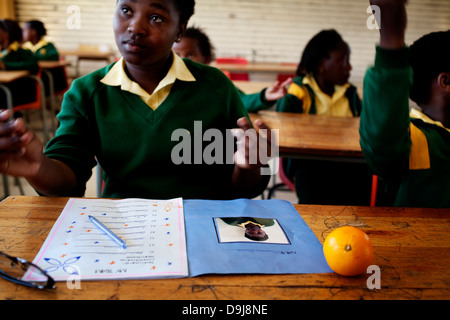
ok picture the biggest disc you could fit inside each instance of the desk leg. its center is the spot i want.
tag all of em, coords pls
(43, 107)
(9, 100)
(51, 84)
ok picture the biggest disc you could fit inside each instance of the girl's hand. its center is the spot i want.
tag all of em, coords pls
(253, 147)
(278, 90)
(393, 23)
(20, 150)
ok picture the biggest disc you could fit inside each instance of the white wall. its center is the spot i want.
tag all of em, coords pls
(260, 30)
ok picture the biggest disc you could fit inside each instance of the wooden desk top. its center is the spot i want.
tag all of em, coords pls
(10, 76)
(311, 135)
(53, 64)
(88, 54)
(252, 86)
(411, 248)
(257, 67)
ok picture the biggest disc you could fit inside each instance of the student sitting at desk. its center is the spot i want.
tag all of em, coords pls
(196, 46)
(13, 57)
(33, 35)
(410, 151)
(125, 116)
(321, 87)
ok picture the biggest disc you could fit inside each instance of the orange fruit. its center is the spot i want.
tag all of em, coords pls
(348, 251)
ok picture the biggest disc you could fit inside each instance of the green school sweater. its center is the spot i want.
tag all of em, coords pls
(322, 181)
(386, 141)
(134, 144)
(20, 60)
(256, 101)
(47, 53)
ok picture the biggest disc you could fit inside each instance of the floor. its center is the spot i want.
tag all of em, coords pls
(34, 122)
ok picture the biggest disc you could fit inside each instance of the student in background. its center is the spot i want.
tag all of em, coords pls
(321, 87)
(196, 46)
(33, 35)
(14, 57)
(410, 151)
(126, 114)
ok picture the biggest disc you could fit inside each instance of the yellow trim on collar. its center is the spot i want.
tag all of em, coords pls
(28, 45)
(414, 113)
(419, 157)
(244, 224)
(12, 47)
(118, 77)
(302, 94)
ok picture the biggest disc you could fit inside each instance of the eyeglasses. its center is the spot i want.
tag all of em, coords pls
(25, 273)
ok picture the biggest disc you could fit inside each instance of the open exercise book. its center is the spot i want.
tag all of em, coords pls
(176, 238)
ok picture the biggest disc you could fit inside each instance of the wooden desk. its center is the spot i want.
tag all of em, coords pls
(252, 86)
(257, 67)
(302, 135)
(10, 76)
(412, 249)
(87, 54)
(46, 67)
(53, 64)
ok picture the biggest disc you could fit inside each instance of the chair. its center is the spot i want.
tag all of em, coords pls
(284, 76)
(37, 103)
(285, 181)
(56, 84)
(373, 195)
(238, 76)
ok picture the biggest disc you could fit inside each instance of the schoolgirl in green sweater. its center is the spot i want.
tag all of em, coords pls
(125, 116)
(34, 33)
(409, 150)
(321, 87)
(14, 57)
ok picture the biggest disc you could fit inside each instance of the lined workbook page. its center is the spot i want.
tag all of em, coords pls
(152, 229)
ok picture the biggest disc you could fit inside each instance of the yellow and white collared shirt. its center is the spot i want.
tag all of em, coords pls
(118, 77)
(337, 105)
(35, 47)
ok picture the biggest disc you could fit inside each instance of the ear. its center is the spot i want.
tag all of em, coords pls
(443, 80)
(181, 31)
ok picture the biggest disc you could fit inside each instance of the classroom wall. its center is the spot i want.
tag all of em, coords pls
(260, 30)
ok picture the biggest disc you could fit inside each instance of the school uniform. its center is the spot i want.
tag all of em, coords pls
(43, 50)
(321, 181)
(16, 58)
(108, 117)
(23, 90)
(256, 101)
(305, 96)
(46, 51)
(409, 151)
